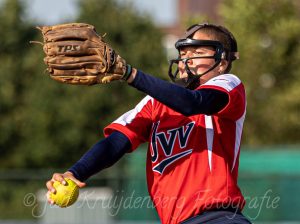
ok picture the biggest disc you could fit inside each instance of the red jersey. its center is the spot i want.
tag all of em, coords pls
(192, 161)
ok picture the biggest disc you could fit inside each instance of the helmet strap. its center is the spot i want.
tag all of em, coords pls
(193, 81)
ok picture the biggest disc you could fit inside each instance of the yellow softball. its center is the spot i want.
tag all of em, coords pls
(65, 195)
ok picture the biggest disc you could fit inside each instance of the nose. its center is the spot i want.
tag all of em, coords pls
(189, 62)
(189, 54)
(185, 62)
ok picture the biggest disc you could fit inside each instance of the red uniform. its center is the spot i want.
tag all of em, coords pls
(192, 162)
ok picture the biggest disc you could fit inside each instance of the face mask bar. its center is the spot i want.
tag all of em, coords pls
(173, 68)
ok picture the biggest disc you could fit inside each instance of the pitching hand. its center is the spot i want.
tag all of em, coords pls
(60, 177)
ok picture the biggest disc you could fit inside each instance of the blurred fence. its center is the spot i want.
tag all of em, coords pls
(92, 206)
(269, 179)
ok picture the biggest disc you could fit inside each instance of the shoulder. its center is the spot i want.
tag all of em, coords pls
(233, 86)
(225, 81)
(147, 99)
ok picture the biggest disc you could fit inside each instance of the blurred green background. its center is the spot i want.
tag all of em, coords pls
(45, 126)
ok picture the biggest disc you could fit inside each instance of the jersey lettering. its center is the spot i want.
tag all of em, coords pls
(167, 144)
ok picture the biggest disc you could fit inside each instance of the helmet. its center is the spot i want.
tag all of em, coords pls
(228, 52)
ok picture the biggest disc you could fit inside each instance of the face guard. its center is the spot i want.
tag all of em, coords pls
(192, 76)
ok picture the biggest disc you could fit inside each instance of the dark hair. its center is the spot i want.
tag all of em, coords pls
(217, 33)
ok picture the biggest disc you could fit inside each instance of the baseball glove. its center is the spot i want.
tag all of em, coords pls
(76, 54)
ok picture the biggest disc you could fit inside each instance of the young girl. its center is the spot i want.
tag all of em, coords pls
(194, 128)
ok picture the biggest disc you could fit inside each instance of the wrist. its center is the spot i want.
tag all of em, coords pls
(69, 172)
(129, 74)
(132, 76)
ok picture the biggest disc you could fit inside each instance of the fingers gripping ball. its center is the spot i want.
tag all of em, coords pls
(65, 195)
(76, 54)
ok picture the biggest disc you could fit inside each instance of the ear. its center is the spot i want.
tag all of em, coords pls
(223, 66)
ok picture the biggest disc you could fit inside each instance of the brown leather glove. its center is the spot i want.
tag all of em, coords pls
(76, 54)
